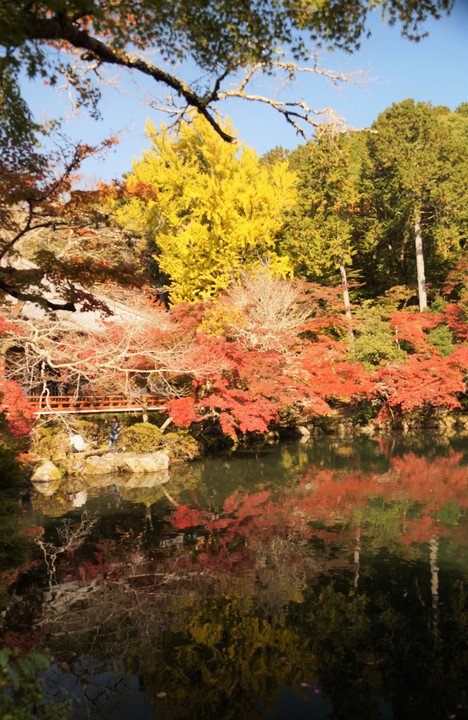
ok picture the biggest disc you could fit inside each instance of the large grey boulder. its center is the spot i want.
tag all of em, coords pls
(46, 471)
(153, 462)
(98, 465)
(123, 462)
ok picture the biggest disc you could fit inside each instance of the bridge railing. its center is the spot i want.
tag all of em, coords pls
(88, 404)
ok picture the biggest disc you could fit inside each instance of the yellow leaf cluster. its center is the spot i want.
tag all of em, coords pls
(221, 318)
(217, 212)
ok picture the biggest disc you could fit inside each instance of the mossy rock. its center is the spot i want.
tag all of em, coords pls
(93, 433)
(140, 438)
(326, 423)
(52, 445)
(182, 446)
(54, 438)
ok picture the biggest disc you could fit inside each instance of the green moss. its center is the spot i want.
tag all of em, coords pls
(54, 438)
(138, 437)
(52, 445)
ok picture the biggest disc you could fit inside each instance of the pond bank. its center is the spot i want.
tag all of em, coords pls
(145, 449)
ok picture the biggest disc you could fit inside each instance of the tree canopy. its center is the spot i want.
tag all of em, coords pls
(211, 210)
(75, 39)
(383, 200)
(318, 233)
(418, 184)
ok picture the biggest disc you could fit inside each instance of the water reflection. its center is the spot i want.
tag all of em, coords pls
(324, 581)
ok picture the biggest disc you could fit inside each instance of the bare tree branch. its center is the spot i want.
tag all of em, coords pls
(143, 354)
(297, 111)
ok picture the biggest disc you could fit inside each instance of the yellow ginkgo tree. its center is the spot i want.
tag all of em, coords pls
(212, 208)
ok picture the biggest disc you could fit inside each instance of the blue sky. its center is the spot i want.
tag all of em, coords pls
(434, 70)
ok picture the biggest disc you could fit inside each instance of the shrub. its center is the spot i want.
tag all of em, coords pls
(375, 341)
(364, 414)
(182, 446)
(52, 443)
(141, 438)
(441, 338)
(22, 695)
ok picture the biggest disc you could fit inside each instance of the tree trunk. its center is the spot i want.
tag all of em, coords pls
(433, 556)
(347, 304)
(166, 423)
(357, 558)
(420, 264)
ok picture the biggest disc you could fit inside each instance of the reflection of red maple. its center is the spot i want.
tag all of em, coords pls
(419, 530)
(184, 517)
(326, 505)
(332, 498)
(433, 483)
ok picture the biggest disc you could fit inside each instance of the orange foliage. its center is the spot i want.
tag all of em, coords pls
(421, 382)
(413, 327)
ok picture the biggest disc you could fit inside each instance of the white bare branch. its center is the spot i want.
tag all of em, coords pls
(271, 310)
(297, 113)
(143, 353)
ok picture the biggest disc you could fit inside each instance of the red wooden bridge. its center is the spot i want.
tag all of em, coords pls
(90, 404)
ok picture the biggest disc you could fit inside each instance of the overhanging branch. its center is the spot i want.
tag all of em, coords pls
(54, 30)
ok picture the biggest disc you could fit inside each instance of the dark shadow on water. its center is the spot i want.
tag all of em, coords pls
(325, 580)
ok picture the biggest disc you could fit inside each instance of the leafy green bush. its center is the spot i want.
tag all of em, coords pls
(22, 695)
(375, 341)
(140, 438)
(441, 337)
(11, 472)
(181, 445)
(13, 548)
(364, 414)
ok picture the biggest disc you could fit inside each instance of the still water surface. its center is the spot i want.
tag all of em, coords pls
(318, 580)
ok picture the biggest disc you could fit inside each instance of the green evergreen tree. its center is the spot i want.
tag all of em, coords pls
(320, 231)
(417, 182)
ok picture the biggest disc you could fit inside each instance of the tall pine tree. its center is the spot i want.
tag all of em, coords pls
(418, 183)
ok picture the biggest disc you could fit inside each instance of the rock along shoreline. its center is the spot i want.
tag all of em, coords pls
(103, 464)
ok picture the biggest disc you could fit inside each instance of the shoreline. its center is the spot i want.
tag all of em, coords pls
(50, 467)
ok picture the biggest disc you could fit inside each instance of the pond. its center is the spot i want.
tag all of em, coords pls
(317, 580)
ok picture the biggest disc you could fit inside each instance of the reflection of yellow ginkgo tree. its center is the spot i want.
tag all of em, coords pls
(215, 209)
(223, 652)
